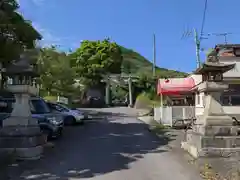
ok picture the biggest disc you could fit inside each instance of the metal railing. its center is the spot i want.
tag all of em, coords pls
(172, 115)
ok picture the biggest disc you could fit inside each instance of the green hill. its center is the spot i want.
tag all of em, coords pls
(134, 63)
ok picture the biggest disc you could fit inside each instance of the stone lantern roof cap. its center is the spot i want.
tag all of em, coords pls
(21, 67)
(214, 67)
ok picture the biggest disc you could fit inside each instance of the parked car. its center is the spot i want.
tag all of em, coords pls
(72, 116)
(77, 110)
(50, 124)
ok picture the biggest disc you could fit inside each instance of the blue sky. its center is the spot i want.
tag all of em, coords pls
(131, 23)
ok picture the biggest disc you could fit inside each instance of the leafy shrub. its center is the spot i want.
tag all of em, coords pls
(143, 101)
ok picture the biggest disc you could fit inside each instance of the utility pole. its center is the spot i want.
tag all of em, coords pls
(197, 42)
(154, 55)
(130, 90)
(107, 91)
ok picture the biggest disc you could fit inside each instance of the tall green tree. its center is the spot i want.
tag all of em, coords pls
(64, 76)
(94, 59)
(16, 33)
(56, 75)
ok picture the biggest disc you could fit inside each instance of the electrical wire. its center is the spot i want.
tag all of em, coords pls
(204, 17)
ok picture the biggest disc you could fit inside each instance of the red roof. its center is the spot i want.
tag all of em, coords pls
(175, 86)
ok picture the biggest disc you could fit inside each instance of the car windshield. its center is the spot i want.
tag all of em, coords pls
(38, 106)
(61, 107)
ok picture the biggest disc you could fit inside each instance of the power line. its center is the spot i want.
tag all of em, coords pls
(204, 17)
(225, 34)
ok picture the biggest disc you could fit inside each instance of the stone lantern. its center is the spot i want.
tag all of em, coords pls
(21, 132)
(213, 133)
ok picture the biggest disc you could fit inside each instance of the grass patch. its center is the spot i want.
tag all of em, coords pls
(208, 173)
(50, 98)
(156, 103)
(144, 101)
(158, 128)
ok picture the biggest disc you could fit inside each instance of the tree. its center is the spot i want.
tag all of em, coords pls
(209, 51)
(56, 75)
(147, 84)
(126, 67)
(94, 59)
(16, 33)
(64, 76)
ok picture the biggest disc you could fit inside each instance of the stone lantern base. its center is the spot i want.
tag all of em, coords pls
(213, 134)
(25, 142)
(212, 141)
(21, 133)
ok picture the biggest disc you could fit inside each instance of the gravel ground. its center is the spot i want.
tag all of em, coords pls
(117, 147)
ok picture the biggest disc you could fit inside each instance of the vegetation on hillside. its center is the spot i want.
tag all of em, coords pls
(135, 63)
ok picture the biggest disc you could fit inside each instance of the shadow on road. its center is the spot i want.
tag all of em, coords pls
(106, 112)
(92, 150)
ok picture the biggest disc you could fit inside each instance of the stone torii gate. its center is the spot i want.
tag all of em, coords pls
(120, 79)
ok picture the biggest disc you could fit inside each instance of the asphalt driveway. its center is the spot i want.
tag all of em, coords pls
(117, 147)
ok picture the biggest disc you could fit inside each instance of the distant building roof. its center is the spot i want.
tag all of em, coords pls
(213, 66)
(227, 46)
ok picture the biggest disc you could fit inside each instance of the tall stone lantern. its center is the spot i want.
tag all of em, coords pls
(213, 133)
(21, 132)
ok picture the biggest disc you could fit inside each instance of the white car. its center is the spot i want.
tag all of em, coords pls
(72, 116)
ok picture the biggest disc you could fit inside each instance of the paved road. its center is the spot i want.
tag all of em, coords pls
(117, 148)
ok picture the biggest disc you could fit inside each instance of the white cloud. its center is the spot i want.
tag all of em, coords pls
(35, 2)
(48, 37)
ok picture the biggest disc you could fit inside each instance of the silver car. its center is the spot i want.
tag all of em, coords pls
(71, 116)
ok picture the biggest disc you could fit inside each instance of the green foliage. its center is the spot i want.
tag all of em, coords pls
(146, 81)
(16, 34)
(118, 92)
(56, 75)
(144, 98)
(158, 128)
(145, 84)
(50, 98)
(143, 101)
(210, 50)
(147, 100)
(93, 59)
(137, 64)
